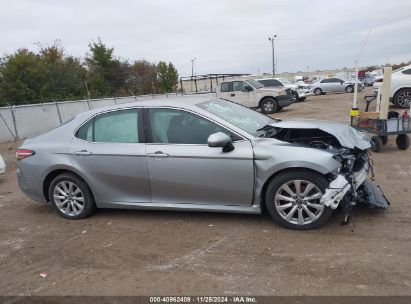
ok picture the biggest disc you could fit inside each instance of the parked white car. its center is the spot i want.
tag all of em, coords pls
(400, 92)
(300, 91)
(333, 85)
(2, 165)
(252, 94)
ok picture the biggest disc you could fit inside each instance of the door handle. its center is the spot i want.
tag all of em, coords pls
(232, 95)
(83, 153)
(158, 154)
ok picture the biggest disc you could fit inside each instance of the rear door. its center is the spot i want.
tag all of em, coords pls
(337, 85)
(110, 151)
(183, 169)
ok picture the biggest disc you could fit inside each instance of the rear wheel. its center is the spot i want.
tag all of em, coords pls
(403, 141)
(402, 98)
(318, 91)
(268, 106)
(71, 197)
(293, 199)
(377, 143)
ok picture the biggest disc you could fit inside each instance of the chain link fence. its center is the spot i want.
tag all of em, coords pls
(22, 121)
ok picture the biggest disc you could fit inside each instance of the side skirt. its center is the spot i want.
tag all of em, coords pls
(181, 207)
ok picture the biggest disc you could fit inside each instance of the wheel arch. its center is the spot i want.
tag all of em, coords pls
(265, 98)
(57, 171)
(264, 187)
(397, 90)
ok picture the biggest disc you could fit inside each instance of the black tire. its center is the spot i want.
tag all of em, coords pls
(403, 141)
(302, 98)
(89, 205)
(296, 97)
(377, 143)
(402, 98)
(305, 175)
(268, 105)
(349, 89)
(318, 91)
(384, 139)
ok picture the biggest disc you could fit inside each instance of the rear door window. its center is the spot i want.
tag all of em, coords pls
(115, 127)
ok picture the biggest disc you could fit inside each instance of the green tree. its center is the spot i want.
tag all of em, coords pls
(167, 77)
(21, 77)
(142, 78)
(107, 74)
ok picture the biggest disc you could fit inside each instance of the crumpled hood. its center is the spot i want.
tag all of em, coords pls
(345, 134)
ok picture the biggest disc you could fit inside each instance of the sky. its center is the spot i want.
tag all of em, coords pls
(225, 36)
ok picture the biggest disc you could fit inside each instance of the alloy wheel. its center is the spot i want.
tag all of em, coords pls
(68, 198)
(298, 202)
(268, 106)
(404, 98)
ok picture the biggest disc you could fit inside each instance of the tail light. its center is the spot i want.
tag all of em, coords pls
(378, 80)
(23, 153)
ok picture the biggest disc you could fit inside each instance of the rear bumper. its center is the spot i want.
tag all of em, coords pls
(31, 186)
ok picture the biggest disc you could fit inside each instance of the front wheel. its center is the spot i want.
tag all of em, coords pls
(402, 98)
(377, 143)
(349, 89)
(71, 197)
(293, 199)
(269, 106)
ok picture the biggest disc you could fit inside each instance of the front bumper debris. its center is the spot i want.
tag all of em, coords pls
(373, 196)
(352, 189)
(335, 192)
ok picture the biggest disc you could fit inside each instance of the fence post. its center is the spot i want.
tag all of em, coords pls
(114, 98)
(58, 112)
(14, 122)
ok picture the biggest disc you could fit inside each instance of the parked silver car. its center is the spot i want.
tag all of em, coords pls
(198, 154)
(333, 85)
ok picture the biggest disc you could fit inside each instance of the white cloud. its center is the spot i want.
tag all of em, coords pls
(224, 36)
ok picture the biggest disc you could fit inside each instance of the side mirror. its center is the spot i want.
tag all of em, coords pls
(248, 88)
(221, 140)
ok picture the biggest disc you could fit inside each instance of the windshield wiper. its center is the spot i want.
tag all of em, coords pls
(268, 131)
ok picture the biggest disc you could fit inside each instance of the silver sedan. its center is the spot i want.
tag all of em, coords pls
(335, 85)
(197, 154)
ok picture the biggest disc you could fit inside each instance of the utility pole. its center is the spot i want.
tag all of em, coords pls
(192, 72)
(271, 39)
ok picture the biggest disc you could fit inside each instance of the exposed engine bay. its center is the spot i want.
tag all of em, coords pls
(351, 184)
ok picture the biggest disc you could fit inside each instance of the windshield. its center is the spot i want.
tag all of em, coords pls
(244, 118)
(254, 83)
(285, 81)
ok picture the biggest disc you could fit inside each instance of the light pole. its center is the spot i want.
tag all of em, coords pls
(192, 72)
(271, 39)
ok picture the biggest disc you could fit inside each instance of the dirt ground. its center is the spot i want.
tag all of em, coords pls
(122, 252)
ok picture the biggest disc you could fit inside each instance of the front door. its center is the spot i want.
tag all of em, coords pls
(183, 169)
(110, 152)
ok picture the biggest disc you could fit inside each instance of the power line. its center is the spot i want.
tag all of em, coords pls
(349, 31)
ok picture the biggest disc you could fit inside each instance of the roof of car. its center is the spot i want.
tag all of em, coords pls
(186, 101)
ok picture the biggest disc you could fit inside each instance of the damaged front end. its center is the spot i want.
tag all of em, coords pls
(353, 182)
